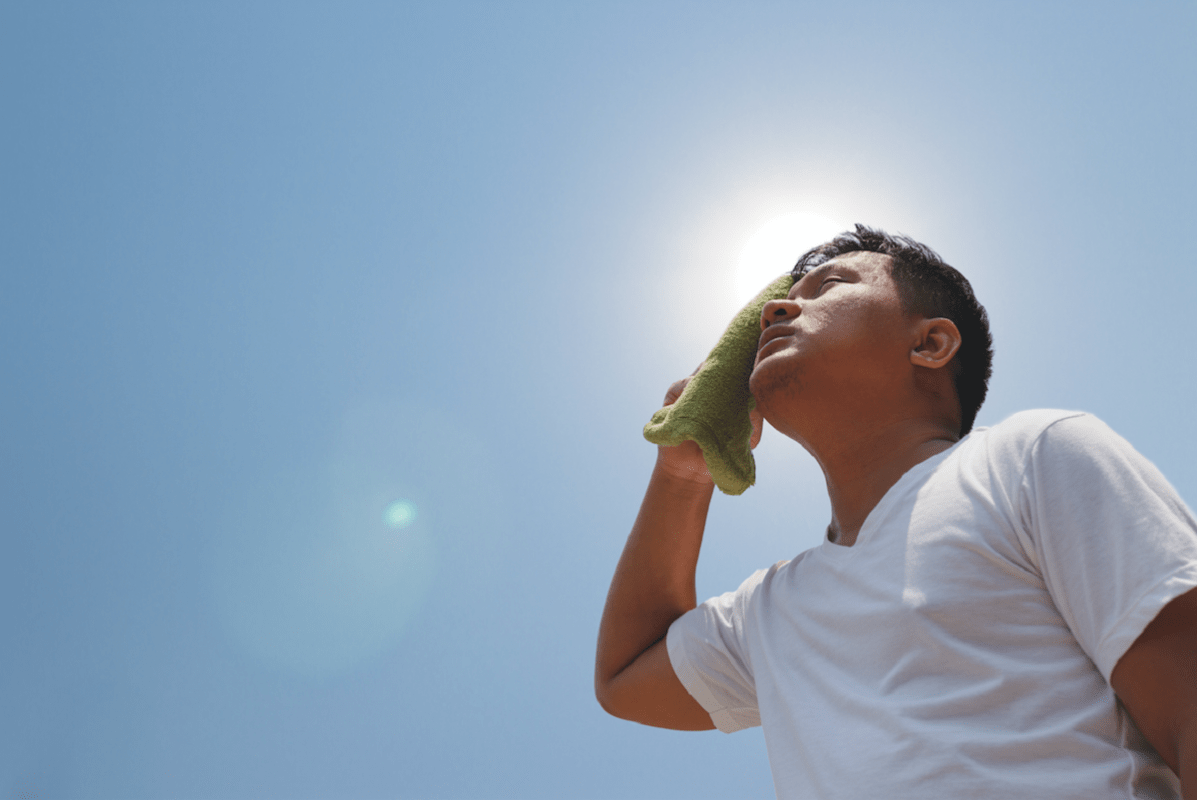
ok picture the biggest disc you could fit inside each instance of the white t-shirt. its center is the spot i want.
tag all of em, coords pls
(962, 647)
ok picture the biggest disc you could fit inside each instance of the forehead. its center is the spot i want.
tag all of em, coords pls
(866, 263)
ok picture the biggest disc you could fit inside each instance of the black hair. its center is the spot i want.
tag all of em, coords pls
(927, 286)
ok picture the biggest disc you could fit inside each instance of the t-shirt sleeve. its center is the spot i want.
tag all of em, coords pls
(707, 647)
(1113, 540)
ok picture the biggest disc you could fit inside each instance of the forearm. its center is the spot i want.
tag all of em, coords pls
(654, 581)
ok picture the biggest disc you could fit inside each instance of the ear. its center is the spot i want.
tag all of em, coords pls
(938, 340)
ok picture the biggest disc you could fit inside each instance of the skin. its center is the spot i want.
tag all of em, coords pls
(839, 351)
(844, 371)
(1156, 681)
(867, 389)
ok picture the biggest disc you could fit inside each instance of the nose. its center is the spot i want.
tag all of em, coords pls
(777, 310)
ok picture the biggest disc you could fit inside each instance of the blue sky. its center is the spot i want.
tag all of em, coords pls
(267, 270)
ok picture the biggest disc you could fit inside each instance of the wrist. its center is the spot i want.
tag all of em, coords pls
(684, 474)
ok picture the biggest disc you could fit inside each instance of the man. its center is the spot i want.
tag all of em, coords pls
(990, 610)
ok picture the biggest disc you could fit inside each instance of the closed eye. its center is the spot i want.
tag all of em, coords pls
(823, 285)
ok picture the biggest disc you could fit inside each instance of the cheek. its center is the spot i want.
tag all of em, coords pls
(849, 328)
(868, 331)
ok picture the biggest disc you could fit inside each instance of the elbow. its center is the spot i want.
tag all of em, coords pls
(614, 702)
(605, 696)
(605, 703)
(600, 693)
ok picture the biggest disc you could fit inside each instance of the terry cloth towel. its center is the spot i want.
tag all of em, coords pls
(713, 408)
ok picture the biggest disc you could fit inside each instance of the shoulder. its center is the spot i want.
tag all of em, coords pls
(1074, 453)
(754, 586)
(1031, 442)
(1030, 425)
(753, 597)
(1022, 435)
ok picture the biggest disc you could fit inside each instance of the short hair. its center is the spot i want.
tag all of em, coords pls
(930, 287)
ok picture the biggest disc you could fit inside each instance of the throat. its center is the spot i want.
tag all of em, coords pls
(835, 536)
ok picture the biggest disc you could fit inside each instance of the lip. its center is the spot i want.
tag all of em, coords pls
(773, 333)
(770, 335)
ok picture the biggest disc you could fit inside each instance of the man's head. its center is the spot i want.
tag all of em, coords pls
(930, 288)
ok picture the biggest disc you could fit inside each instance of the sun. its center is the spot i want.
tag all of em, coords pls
(775, 247)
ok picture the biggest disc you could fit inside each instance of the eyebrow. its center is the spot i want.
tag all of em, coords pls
(824, 267)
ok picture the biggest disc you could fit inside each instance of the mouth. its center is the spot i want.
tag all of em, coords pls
(771, 335)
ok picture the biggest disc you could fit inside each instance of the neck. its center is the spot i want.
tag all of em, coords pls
(861, 463)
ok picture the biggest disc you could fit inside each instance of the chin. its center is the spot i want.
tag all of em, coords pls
(770, 377)
(775, 384)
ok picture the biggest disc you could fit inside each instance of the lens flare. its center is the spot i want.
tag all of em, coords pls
(400, 514)
(328, 561)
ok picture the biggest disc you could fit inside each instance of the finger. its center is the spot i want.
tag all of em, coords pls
(758, 426)
(675, 391)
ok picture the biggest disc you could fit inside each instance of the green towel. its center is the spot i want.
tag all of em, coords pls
(713, 408)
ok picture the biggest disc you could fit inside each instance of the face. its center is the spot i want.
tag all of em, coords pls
(839, 336)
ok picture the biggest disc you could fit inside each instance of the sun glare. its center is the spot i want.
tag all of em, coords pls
(775, 247)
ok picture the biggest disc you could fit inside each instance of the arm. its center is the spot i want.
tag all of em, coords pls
(1108, 529)
(653, 586)
(1156, 680)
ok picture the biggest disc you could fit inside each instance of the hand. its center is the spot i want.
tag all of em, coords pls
(685, 460)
